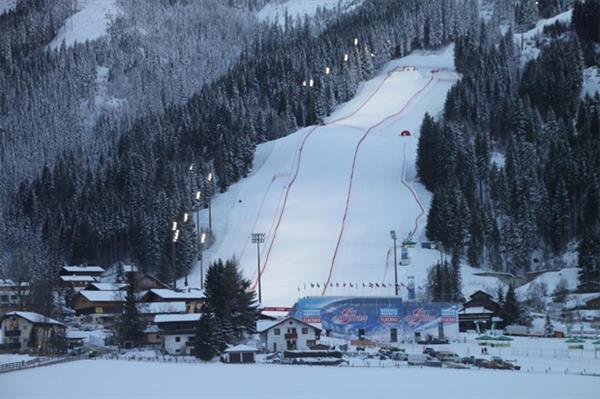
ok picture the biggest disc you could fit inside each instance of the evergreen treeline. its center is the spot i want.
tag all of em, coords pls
(513, 164)
(120, 205)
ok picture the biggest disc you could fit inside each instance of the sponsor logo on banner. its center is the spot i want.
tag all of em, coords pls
(348, 315)
(449, 316)
(418, 316)
(311, 316)
(389, 315)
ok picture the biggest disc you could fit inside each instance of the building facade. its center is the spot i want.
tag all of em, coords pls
(288, 334)
(29, 331)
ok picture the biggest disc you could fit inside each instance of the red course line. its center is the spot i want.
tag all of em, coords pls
(339, 240)
(299, 152)
(416, 197)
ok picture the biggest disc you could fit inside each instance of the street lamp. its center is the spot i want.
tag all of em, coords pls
(356, 41)
(327, 70)
(345, 57)
(393, 234)
(258, 238)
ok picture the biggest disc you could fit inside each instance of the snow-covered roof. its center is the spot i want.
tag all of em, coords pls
(241, 348)
(152, 328)
(162, 307)
(107, 286)
(88, 279)
(103, 296)
(34, 317)
(83, 269)
(173, 318)
(475, 310)
(77, 334)
(272, 323)
(181, 295)
(9, 283)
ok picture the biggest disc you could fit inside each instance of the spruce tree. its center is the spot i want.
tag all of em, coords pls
(130, 327)
(205, 347)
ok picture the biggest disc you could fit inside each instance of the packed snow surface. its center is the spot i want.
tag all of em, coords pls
(127, 379)
(90, 22)
(326, 197)
(276, 10)
(7, 5)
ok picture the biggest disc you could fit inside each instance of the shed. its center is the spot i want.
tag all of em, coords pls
(240, 354)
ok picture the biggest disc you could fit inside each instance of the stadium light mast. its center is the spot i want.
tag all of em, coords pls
(393, 234)
(173, 242)
(209, 178)
(258, 238)
(202, 239)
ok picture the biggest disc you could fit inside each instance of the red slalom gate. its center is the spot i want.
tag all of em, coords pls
(295, 175)
(339, 240)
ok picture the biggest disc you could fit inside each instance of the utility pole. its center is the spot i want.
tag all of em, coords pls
(258, 238)
(393, 234)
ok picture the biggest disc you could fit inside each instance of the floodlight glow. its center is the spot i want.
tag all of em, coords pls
(198, 194)
(185, 217)
(326, 70)
(202, 238)
(345, 57)
(210, 177)
(174, 226)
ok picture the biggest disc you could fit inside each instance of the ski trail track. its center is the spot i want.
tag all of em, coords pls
(351, 181)
(326, 196)
(298, 152)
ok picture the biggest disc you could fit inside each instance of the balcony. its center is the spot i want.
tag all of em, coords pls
(292, 335)
(12, 333)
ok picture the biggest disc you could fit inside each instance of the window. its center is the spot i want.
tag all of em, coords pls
(394, 335)
(177, 339)
(157, 336)
(304, 330)
(361, 333)
(4, 298)
(277, 331)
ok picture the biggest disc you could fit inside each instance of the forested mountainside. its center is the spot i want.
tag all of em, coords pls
(78, 99)
(120, 206)
(514, 163)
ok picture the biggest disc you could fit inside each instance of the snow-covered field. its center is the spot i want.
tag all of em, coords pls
(123, 379)
(276, 10)
(90, 22)
(327, 196)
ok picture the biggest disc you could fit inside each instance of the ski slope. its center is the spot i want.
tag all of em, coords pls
(326, 197)
(90, 22)
(276, 11)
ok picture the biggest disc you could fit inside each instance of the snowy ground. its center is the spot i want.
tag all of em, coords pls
(12, 358)
(591, 81)
(276, 10)
(528, 39)
(123, 379)
(90, 22)
(327, 197)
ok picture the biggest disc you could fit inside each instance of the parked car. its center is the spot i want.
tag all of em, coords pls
(483, 363)
(430, 351)
(468, 360)
(447, 356)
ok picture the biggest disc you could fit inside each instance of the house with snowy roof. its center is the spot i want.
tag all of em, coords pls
(177, 332)
(77, 282)
(83, 270)
(480, 310)
(99, 304)
(287, 333)
(29, 330)
(12, 295)
(193, 299)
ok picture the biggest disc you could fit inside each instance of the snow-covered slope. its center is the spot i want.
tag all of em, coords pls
(326, 197)
(90, 22)
(7, 5)
(591, 81)
(276, 10)
(528, 39)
